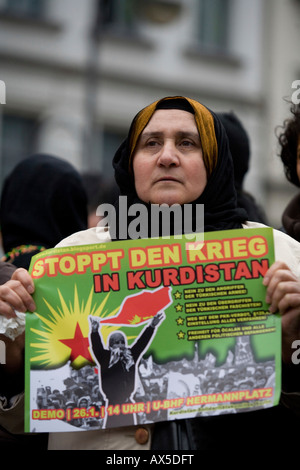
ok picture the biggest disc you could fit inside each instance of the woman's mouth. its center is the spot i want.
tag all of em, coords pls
(168, 178)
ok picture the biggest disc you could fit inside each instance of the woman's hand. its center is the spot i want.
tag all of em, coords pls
(16, 294)
(283, 295)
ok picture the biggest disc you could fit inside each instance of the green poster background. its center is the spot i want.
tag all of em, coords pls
(216, 296)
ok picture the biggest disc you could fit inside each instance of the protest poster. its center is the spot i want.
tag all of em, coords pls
(199, 338)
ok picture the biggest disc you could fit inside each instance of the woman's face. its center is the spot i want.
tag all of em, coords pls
(168, 162)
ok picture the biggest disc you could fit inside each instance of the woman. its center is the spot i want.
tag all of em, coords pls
(177, 152)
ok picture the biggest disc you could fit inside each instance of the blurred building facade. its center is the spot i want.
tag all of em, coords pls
(77, 71)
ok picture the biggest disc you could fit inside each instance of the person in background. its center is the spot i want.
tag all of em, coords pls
(43, 200)
(99, 191)
(239, 145)
(177, 152)
(6, 271)
(289, 142)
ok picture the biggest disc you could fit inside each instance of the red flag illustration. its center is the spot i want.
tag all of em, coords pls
(139, 308)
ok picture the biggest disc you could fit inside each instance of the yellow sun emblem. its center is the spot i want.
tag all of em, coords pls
(64, 331)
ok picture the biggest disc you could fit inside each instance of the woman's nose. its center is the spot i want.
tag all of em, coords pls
(168, 155)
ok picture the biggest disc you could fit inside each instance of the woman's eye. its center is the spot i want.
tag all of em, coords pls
(152, 143)
(186, 143)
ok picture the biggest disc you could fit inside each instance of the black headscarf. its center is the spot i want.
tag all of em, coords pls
(219, 196)
(239, 145)
(43, 201)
